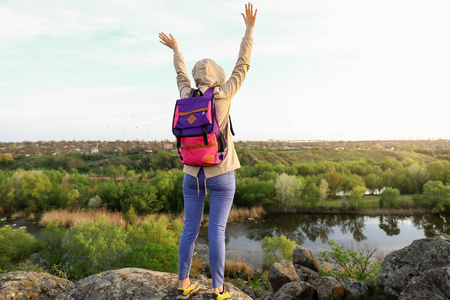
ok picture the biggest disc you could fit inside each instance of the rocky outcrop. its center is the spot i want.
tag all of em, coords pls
(30, 285)
(305, 257)
(400, 267)
(354, 288)
(282, 273)
(330, 288)
(134, 283)
(296, 290)
(259, 294)
(307, 275)
(432, 284)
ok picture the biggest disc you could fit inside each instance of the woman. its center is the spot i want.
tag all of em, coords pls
(219, 179)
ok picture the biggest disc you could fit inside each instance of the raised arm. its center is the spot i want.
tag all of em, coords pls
(229, 89)
(183, 82)
(249, 19)
(169, 41)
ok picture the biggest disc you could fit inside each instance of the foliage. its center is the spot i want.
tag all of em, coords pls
(156, 231)
(94, 247)
(253, 193)
(355, 197)
(288, 190)
(311, 195)
(152, 257)
(436, 195)
(335, 181)
(323, 192)
(389, 198)
(51, 243)
(15, 246)
(95, 202)
(276, 249)
(128, 181)
(350, 263)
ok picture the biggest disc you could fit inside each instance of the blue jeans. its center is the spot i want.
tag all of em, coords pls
(221, 190)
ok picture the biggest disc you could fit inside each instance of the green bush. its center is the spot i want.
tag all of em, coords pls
(94, 247)
(436, 195)
(350, 263)
(51, 243)
(15, 246)
(152, 257)
(389, 198)
(156, 231)
(276, 249)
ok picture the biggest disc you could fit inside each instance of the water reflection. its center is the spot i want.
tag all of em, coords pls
(313, 231)
(389, 224)
(432, 225)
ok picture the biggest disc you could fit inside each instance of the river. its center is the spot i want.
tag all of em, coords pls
(313, 231)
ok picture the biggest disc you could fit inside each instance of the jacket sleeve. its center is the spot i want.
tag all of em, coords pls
(230, 88)
(183, 82)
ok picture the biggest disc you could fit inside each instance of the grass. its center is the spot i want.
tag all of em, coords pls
(69, 218)
(237, 214)
(236, 268)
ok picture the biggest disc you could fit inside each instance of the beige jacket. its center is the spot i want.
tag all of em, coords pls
(208, 74)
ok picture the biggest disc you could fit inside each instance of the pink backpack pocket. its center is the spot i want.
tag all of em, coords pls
(195, 152)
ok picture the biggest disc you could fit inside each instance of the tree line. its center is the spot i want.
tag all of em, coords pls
(154, 183)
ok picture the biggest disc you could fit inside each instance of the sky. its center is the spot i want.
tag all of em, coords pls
(319, 70)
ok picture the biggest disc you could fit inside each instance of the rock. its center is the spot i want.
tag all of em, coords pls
(354, 288)
(296, 290)
(29, 285)
(259, 294)
(307, 275)
(431, 284)
(135, 283)
(262, 295)
(330, 288)
(305, 257)
(282, 273)
(248, 291)
(422, 255)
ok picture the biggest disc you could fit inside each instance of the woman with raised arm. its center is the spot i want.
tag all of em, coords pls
(219, 179)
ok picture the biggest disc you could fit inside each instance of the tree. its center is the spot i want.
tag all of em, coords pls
(31, 190)
(335, 181)
(311, 195)
(287, 191)
(436, 195)
(372, 182)
(5, 159)
(276, 249)
(352, 181)
(323, 191)
(439, 171)
(354, 199)
(389, 197)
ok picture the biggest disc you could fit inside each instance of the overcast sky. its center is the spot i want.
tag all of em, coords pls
(321, 70)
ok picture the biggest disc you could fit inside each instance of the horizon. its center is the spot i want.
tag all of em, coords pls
(235, 141)
(319, 70)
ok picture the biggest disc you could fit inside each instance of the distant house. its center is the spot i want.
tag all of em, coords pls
(168, 146)
(94, 150)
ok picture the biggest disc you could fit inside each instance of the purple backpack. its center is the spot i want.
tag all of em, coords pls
(195, 125)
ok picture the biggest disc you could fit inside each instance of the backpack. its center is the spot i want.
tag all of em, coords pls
(196, 127)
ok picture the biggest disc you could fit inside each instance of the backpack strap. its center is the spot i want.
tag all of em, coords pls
(231, 125)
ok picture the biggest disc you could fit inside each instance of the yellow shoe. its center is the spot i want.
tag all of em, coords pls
(225, 296)
(186, 293)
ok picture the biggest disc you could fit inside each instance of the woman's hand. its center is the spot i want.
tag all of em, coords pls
(249, 18)
(169, 41)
